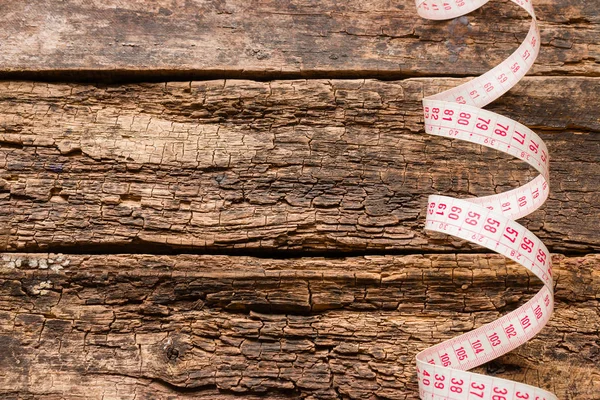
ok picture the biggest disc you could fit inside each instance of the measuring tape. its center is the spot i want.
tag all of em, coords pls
(488, 221)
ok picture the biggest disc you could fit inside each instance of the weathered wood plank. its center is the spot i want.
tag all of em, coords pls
(299, 38)
(83, 326)
(284, 165)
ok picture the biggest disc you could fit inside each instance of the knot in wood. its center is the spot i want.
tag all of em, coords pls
(172, 352)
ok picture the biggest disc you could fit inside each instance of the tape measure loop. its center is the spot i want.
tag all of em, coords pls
(488, 221)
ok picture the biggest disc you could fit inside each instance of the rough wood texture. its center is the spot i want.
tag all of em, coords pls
(284, 165)
(75, 326)
(241, 38)
(276, 169)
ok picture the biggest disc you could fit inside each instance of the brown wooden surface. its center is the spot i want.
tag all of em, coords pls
(284, 165)
(323, 328)
(267, 38)
(313, 191)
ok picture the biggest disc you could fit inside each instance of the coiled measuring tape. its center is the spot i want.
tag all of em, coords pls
(488, 221)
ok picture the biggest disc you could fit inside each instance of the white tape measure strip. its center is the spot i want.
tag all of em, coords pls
(488, 221)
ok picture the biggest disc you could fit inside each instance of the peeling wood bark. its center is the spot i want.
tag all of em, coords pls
(298, 38)
(286, 165)
(87, 326)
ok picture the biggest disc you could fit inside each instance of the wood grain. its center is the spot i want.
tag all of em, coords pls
(298, 38)
(316, 165)
(278, 169)
(87, 326)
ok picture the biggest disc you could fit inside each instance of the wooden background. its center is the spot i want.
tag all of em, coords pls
(224, 199)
